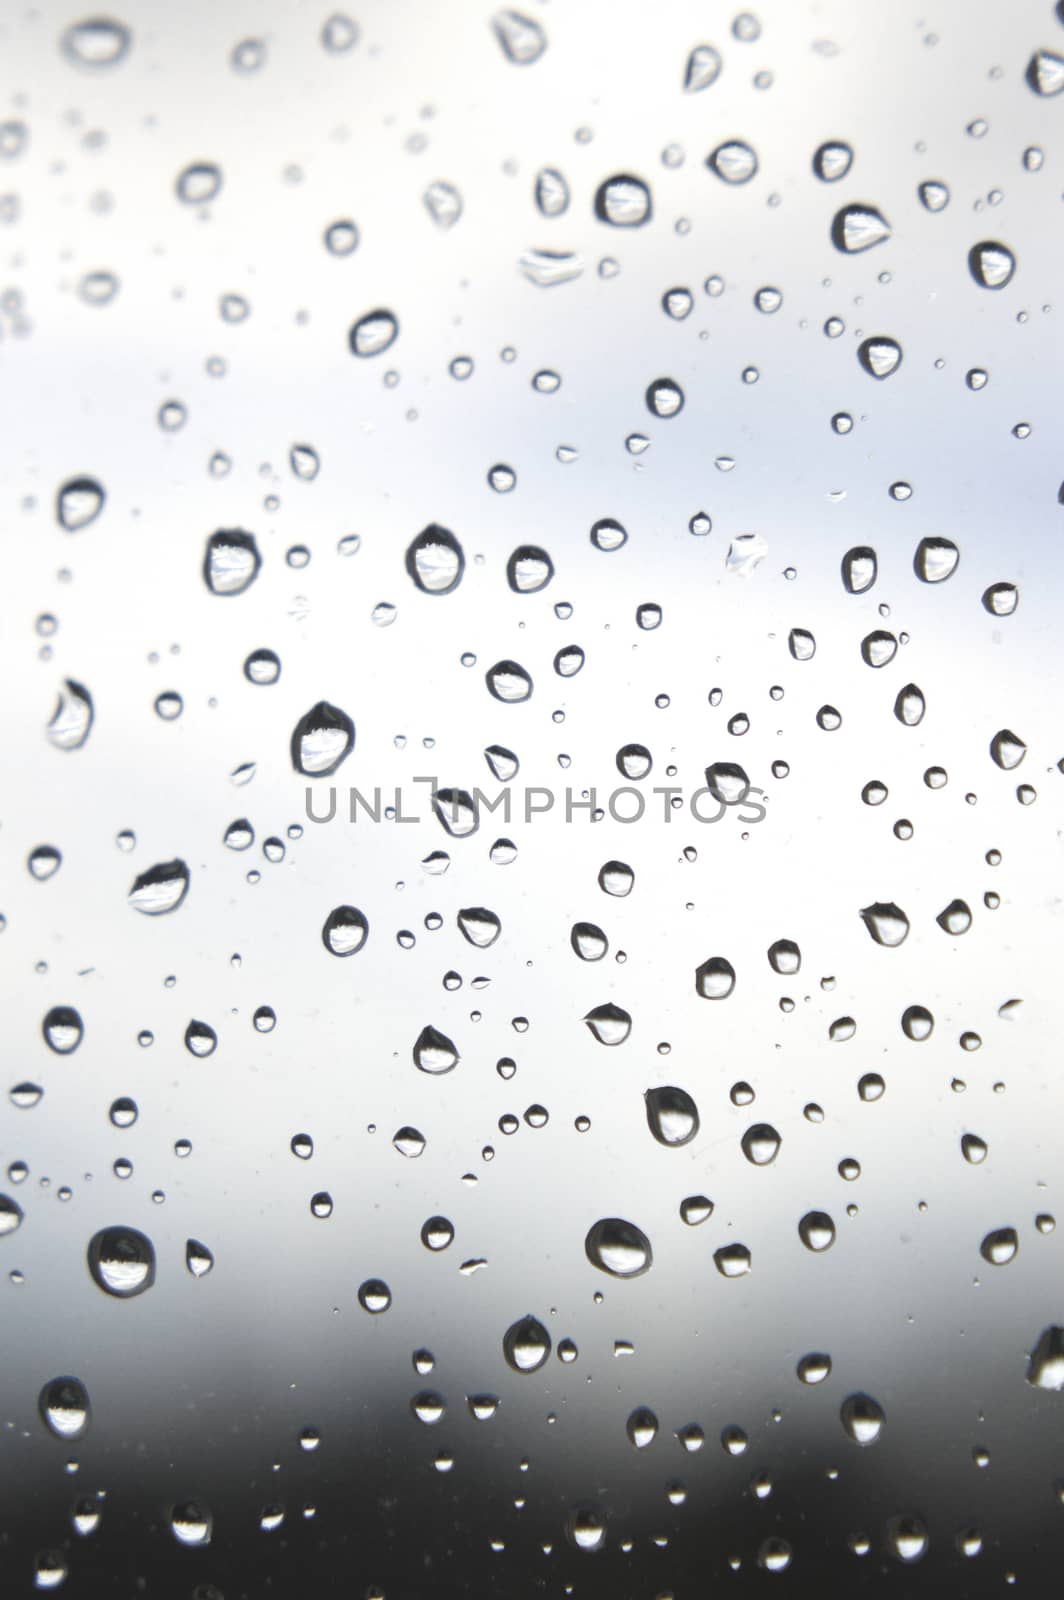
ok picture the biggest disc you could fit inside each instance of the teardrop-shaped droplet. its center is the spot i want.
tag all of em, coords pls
(322, 738)
(702, 68)
(619, 1248)
(200, 1039)
(344, 931)
(231, 562)
(859, 227)
(917, 1023)
(529, 569)
(198, 1259)
(434, 1052)
(878, 648)
(715, 978)
(1007, 749)
(880, 355)
(122, 1261)
(480, 926)
(886, 922)
(623, 201)
(672, 1115)
(521, 39)
(642, 1427)
(1045, 1364)
(160, 889)
(552, 192)
(526, 1344)
(71, 721)
(761, 1144)
(734, 161)
(63, 1030)
(610, 1024)
(589, 941)
(456, 811)
(304, 462)
(78, 502)
(801, 644)
(727, 782)
(373, 333)
(991, 264)
(862, 1418)
(64, 1408)
(509, 682)
(934, 194)
(1000, 1246)
(910, 705)
(832, 160)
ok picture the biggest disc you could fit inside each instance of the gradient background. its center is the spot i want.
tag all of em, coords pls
(200, 1389)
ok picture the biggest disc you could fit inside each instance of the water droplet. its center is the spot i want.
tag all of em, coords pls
(878, 648)
(642, 1427)
(702, 69)
(79, 502)
(341, 237)
(96, 42)
(191, 1523)
(548, 268)
(322, 738)
(121, 1261)
(160, 889)
(727, 782)
(1007, 749)
(526, 1344)
(816, 1231)
(761, 1144)
(586, 1530)
(551, 192)
(616, 878)
(344, 931)
(44, 862)
(198, 1259)
(262, 667)
(880, 355)
(1000, 1246)
(588, 941)
(200, 1039)
(733, 161)
(63, 1030)
(910, 705)
(568, 661)
(956, 918)
(435, 560)
(607, 534)
(623, 201)
(434, 1052)
(456, 812)
(935, 560)
(715, 978)
(1045, 72)
(887, 923)
(672, 1115)
(374, 1296)
(664, 398)
(991, 264)
(859, 227)
(521, 38)
(509, 682)
(373, 333)
(814, 1368)
(198, 183)
(529, 570)
(1001, 599)
(609, 1023)
(231, 562)
(917, 1023)
(973, 1149)
(746, 553)
(1045, 1364)
(832, 161)
(634, 761)
(732, 1261)
(64, 1408)
(784, 956)
(443, 203)
(71, 721)
(618, 1248)
(862, 1418)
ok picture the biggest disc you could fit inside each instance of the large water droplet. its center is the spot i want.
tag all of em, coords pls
(832, 161)
(910, 705)
(862, 1418)
(456, 812)
(880, 355)
(991, 264)
(122, 1261)
(529, 569)
(344, 931)
(715, 978)
(1007, 749)
(784, 956)
(664, 398)
(1045, 72)
(191, 1523)
(232, 561)
(509, 682)
(816, 1231)
(761, 1144)
(935, 560)
(435, 560)
(64, 1408)
(886, 922)
(480, 926)
(1000, 1246)
(586, 1529)
(619, 1248)
(526, 1344)
(609, 1023)
(160, 889)
(322, 738)
(1045, 1364)
(434, 1052)
(672, 1115)
(859, 227)
(727, 782)
(198, 1259)
(616, 878)
(642, 1427)
(63, 1030)
(732, 1261)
